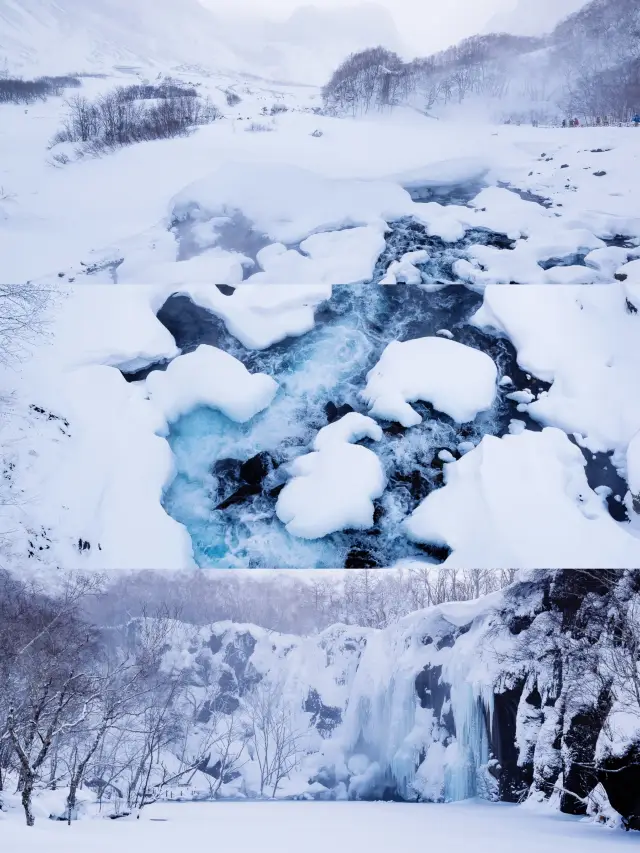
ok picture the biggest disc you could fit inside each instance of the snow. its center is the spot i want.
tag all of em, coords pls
(584, 341)
(458, 380)
(259, 315)
(285, 827)
(209, 377)
(334, 487)
(522, 500)
(293, 188)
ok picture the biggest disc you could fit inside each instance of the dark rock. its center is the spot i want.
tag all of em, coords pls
(620, 777)
(325, 717)
(226, 289)
(599, 174)
(237, 654)
(438, 552)
(579, 748)
(238, 497)
(513, 780)
(215, 643)
(518, 624)
(254, 470)
(359, 558)
(431, 690)
(334, 413)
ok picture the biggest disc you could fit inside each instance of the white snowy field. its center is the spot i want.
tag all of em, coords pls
(282, 205)
(288, 827)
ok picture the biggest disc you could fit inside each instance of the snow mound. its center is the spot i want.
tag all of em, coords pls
(210, 377)
(458, 380)
(262, 315)
(522, 500)
(276, 199)
(334, 487)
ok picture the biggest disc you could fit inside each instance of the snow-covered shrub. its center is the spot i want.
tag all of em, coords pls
(147, 92)
(276, 109)
(233, 99)
(115, 119)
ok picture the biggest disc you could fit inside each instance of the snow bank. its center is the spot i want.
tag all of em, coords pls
(458, 380)
(444, 173)
(587, 343)
(334, 257)
(210, 377)
(522, 500)
(334, 487)
(288, 203)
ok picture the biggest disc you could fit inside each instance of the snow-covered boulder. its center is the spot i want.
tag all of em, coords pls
(334, 487)
(210, 377)
(456, 379)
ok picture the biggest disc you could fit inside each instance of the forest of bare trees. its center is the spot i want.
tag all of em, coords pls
(589, 67)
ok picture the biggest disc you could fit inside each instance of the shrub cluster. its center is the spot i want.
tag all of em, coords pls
(14, 90)
(116, 119)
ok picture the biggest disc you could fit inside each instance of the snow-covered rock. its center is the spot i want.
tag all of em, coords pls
(456, 379)
(209, 377)
(334, 487)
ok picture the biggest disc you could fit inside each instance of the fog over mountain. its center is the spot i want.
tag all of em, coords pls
(525, 18)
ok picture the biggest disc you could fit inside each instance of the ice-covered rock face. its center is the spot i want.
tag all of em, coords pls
(495, 697)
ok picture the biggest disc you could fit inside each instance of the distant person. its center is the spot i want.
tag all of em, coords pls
(636, 120)
(564, 122)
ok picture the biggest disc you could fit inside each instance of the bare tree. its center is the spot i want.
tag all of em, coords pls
(274, 742)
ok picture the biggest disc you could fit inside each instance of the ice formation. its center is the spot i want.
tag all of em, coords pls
(458, 380)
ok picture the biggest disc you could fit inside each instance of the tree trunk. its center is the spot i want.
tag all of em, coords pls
(27, 791)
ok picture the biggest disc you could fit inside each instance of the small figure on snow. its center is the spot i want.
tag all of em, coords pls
(636, 120)
(564, 122)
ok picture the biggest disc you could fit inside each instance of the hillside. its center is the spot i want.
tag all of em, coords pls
(40, 36)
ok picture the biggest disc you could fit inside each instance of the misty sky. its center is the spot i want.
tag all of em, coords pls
(424, 25)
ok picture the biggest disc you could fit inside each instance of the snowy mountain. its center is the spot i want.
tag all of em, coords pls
(82, 35)
(532, 19)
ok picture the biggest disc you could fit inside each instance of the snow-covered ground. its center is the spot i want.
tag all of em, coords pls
(285, 205)
(317, 827)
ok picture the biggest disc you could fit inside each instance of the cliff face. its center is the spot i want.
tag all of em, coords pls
(529, 693)
(522, 694)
